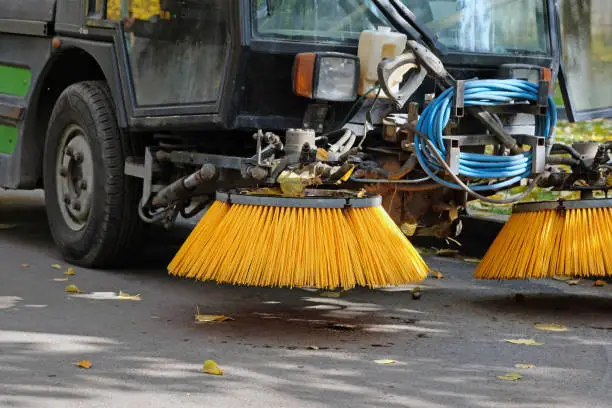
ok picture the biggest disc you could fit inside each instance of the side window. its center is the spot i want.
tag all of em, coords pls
(587, 52)
(319, 20)
(176, 48)
(96, 8)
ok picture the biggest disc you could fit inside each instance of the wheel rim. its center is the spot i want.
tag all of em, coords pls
(74, 175)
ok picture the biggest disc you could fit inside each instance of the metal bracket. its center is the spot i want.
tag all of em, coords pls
(538, 151)
(455, 142)
(543, 92)
(453, 150)
(308, 201)
(147, 180)
(458, 99)
(562, 205)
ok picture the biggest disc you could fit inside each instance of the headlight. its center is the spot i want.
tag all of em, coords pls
(326, 76)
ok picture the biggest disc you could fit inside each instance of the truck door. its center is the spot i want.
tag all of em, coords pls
(24, 48)
(175, 53)
(586, 35)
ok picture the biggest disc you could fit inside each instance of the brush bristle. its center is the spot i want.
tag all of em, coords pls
(537, 245)
(295, 247)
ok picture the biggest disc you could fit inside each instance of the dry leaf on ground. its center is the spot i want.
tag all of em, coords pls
(312, 348)
(330, 294)
(599, 283)
(437, 274)
(211, 367)
(524, 342)
(550, 327)
(56, 266)
(385, 361)
(471, 260)
(69, 272)
(25, 265)
(126, 296)
(426, 251)
(408, 229)
(201, 318)
(562, 278)
(204, 318)
(510, 377)
(84, 364)
(60, 279)
(524, 365)
(573, 282)
(73, 289)
(447, 252)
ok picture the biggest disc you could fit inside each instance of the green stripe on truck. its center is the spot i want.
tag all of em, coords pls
(14, 80)
(8, 139)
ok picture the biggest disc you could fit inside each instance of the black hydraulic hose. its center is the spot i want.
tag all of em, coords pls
(428, 36)
(395, 17)
(560, 160)
(558, 148)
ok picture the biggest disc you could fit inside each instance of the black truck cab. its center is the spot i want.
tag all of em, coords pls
(107, 104)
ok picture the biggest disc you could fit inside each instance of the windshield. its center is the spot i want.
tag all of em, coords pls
(488, 26)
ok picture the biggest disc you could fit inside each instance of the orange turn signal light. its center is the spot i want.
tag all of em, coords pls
(303, 74)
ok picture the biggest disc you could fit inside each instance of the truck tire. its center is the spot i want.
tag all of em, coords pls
(92, 206)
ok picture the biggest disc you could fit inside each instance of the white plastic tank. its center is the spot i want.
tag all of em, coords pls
(374, 46)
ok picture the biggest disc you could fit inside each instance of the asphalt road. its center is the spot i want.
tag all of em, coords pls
(449, 345)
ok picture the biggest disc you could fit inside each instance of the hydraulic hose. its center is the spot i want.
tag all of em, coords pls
(470, 189)
(429, 143)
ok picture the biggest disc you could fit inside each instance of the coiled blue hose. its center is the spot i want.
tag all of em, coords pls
(484, 92)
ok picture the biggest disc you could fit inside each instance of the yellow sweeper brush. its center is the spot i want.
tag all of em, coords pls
(318, 240)
(541, 240)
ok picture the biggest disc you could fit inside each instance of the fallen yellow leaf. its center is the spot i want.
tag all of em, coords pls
(312, 348)
(7, 226)
(510, 377)
(599, 283)
(201, 318)
(330, 294)
(472, 260)
(453, 213)
(126, 296)
(210, 367)
(73, 289)
(447, 252)
(550, 327)
(25, 265)
(524, 342)
(523, 365)
(408, 229)
(426, 251)
(69, 272)
(385, 361)
(84, 364)
(437, 274)
(56, 266)
(322, 154)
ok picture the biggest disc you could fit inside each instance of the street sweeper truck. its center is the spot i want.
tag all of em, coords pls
(318, 133)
